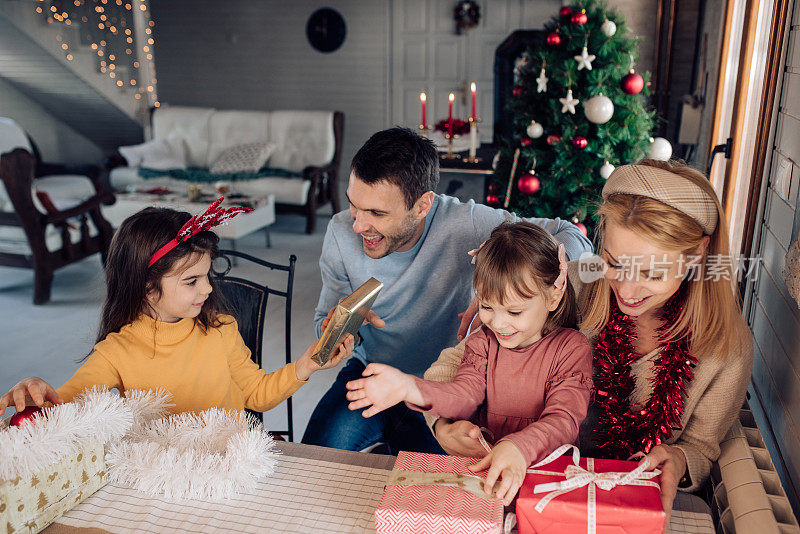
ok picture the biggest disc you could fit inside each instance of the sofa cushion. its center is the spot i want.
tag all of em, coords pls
(14, 241)
(162, 154)
(12, 136)
(227, 129)
(249, 157)
(303, 138)
(122, 177)
(192, 123)
(65, 190)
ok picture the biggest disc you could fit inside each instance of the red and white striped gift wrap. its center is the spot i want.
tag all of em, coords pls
(435, 509)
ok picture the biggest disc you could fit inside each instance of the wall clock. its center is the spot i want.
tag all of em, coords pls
(326, 30)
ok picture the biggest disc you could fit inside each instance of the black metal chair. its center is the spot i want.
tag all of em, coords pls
(247, 302)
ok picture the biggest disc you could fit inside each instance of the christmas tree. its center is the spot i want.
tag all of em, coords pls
(578, 109)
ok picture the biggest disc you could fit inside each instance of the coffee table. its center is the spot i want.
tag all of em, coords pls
(261, 217)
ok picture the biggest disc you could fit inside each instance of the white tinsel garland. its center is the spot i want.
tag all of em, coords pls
(96, 415)
(211, 455)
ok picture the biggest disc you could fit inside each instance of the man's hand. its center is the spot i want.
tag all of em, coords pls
(466, 318)
(459, 438)
(33, 388)
(383, 387)
(506, 462)
(672, 463)
(370, 318)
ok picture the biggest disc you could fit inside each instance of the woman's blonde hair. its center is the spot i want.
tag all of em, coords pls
(712, 311)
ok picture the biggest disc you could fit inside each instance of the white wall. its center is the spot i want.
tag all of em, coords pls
(57, 142)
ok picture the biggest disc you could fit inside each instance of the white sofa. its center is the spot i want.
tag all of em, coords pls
(307, 143)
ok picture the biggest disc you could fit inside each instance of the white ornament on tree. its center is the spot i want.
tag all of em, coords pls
(495, 160)
(585, 59)
(541, 82)
(606, 170)
(598, 109)
(568, 103)
(660, 149)
(534, 130)
(609, 28)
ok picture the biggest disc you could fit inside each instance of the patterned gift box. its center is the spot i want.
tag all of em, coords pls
(434, 506)
(573, 494)
(29, 504)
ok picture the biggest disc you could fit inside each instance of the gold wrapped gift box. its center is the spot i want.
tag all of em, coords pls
(31, 503)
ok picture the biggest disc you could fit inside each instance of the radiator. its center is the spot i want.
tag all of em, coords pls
(748, 495)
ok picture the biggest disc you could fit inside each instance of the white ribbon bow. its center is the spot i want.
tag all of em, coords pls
(577, 477)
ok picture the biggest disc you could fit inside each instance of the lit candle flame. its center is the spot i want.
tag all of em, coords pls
(451, 97)
(473, 87)
(423, 97)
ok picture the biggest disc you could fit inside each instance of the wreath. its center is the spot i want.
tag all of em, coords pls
(467, 14)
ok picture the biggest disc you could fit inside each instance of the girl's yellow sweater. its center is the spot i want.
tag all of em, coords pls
(201, 370)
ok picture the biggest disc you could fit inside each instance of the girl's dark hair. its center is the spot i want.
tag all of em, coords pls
(129, 279)
(516, 255)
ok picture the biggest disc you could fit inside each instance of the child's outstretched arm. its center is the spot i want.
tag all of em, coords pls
(304, 366)
(383, 387)
(33, 388)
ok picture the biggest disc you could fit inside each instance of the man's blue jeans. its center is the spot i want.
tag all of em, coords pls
(333, 425)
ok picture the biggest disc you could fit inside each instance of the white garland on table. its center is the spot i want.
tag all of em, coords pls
(214, 454)
(95, 415)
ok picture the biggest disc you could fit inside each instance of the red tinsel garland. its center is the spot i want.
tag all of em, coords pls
(622, 430)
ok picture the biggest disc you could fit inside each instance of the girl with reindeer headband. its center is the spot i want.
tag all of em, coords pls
(162, 325)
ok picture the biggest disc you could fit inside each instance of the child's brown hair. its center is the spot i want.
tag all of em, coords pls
(516, 255)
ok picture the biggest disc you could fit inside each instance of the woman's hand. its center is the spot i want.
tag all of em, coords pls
(304, 367)
(466, 318)
(383, 387)
(33, 388)
(505, 461)
(459, 438)
(672, 463)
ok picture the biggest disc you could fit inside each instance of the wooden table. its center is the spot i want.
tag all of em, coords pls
(314, 489)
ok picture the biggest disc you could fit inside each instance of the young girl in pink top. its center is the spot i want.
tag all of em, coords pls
(526, 373)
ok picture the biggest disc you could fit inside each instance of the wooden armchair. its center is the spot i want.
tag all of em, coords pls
(34, 233)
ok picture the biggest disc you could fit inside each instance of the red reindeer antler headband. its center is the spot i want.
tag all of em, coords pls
(213, 216)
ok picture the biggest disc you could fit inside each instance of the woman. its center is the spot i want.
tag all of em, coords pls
(672, 355)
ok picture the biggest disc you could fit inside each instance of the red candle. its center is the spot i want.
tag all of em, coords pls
(474, 90)
(423, 98)
(452, 97)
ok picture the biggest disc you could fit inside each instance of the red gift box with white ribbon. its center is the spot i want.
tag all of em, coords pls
(574, 494)
(433, 494)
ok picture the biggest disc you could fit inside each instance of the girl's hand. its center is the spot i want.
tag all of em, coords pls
(383, 387)
(459, 438)
(672, 463)
(33, 388)
(304, 367)
(466, 318)
(505, 461)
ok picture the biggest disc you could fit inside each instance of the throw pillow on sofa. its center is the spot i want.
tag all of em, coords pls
(160, 154)
(249, 157)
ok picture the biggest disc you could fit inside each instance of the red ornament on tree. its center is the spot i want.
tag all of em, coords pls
(632, 83)
(526, 141)
(582, 228)
(553, 139)
(565, 12)
(518, 92)
(554, 39)
(20, 418)
(494, 187)
(529, 184)
(579, 19)
(579, 142)
(492, 199)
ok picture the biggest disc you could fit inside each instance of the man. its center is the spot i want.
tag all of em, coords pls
(415, 242)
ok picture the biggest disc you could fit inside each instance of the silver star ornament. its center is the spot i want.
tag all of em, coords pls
(568, 103)
(585, 59)
(541, 82)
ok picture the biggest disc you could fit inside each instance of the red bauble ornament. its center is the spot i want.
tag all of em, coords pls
(518, 92)
(582, 228)
(579, 19)
(20, 418)
(492, 199)
(526, 141)
(632, 83)
(565, 12)
(579, 142)
(554, 39)
(528, 184)
(494, 187)
(553, 139)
